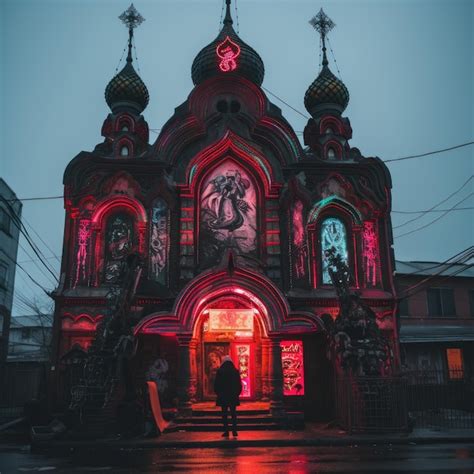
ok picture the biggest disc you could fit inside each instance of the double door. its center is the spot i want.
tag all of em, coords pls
(242, 356)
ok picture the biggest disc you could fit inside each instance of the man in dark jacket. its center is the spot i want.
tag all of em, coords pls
(228, 386)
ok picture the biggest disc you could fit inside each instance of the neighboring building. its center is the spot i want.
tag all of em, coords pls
(10, 216)
(30, 338)
(437, 322)
(233, 218)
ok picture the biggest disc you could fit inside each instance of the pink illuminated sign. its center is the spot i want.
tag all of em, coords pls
(293, 368)
(242, 355)
(228, 52)
(230, 320)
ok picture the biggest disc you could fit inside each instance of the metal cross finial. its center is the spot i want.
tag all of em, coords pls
(323, 25)
(131, 18)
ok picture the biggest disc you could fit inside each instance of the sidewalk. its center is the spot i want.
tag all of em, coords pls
(313, 435)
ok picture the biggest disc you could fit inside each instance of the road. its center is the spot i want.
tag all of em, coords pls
(452, 458)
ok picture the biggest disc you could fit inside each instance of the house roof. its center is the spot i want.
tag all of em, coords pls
(434, 268)
(31, 321)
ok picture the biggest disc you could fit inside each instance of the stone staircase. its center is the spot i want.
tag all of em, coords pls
(250, 417)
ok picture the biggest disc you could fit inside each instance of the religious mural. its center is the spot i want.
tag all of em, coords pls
(213, 354)
(228, 213)
(333, 234)
(118, 245)
(159, 241)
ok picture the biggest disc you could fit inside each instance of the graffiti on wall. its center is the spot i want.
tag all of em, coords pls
(228, 213)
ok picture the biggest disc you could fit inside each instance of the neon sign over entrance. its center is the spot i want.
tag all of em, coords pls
(228, 52)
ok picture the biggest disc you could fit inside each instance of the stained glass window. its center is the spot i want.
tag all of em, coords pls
(118, 245)
(333, 234)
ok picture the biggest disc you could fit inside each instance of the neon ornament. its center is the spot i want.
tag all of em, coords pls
(228, 52)
(293, 367)
(83, 236)
(370, 253)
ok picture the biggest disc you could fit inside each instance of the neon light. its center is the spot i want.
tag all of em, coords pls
(299, 247)
(83, 236)
(293, 367)
(370, 253)
(243, 365)
(228, 52)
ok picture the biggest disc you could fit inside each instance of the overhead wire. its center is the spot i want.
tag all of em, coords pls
(436, 205)
(434, 220)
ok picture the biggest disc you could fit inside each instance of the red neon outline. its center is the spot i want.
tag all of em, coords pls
(228, 51)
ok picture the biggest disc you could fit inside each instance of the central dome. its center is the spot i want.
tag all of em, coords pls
(228, 55)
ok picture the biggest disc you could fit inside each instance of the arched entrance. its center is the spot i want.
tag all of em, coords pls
(236, 311)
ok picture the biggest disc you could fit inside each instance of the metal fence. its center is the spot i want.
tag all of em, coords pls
(440, 400)
(435, 400)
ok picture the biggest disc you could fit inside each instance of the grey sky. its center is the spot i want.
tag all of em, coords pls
(407, 64)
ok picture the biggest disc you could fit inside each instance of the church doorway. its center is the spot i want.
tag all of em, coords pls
(230, 328)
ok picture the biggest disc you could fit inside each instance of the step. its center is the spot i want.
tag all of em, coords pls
(240, 419)
(218, 413)
(218, 427)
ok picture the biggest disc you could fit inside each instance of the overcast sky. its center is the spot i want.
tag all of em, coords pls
(408, 66)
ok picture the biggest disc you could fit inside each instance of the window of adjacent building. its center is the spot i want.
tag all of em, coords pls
(25, 333)
(455, 365)
(4, 220)
(403, 307)
(441, 302)
(3, 274)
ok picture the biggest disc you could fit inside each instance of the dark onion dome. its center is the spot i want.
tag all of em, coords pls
(127, 90)
(242, 60)
(327, 92)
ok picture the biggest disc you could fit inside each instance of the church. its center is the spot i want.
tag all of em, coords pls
(232, 219)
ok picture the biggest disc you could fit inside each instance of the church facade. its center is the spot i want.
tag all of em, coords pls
(232, 219)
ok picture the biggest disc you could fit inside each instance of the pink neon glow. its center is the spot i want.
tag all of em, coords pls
(299, 240)
(228, 52)
(231, 320)
(83, 236)
(370, 253)
(293, 368)
(242, 355)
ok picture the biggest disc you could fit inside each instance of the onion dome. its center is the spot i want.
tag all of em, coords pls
(126, 90)
(327, 92)
(228, 55)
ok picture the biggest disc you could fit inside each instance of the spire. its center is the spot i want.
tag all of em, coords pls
(228, 18)
(131, 19)
(323, 25)
(327, 92)
(126, 90)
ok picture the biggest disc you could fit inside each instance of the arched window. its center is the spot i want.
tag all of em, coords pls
(333, 234)
(331, 154)
(124, 151)
(329, 130)
(118, 243)
(159, 241)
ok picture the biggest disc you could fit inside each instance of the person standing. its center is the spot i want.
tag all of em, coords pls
(228, 386)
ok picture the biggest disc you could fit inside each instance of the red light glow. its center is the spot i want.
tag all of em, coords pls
(83, 236)
(371, 253)
(293, 368)
(228, 52)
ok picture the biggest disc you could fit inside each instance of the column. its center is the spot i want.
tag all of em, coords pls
(275, 376)
(265, 382)
(184, 388)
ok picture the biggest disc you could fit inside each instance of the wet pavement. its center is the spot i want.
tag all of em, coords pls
(452, 458)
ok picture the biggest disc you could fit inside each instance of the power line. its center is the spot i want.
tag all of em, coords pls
(430, 152)
(436, 205)
(434, 220)
(431, 210)
(286, 103)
